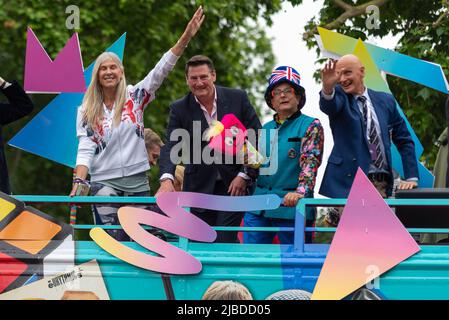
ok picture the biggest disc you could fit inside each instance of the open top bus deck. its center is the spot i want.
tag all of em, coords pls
(263, 268)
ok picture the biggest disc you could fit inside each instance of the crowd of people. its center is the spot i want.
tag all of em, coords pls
(116, 150)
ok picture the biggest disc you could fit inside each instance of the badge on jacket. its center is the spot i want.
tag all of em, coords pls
(292, 153)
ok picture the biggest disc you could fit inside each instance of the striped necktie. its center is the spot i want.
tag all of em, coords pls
(374, 138)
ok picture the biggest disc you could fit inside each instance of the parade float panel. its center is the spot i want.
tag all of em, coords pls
(140, 269)
(32, 244)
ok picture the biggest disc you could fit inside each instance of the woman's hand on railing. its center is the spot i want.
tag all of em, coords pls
(166, 186)
(80, 187)
(73, 191)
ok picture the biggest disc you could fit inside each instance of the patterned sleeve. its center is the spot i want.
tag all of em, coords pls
(311, 156)
(86, 145)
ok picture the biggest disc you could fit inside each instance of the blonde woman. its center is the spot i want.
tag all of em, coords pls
(110, 128)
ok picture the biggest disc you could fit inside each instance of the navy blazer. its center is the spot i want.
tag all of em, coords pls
(447, 118)
(351, 149)
(201, 177)
(18, 107)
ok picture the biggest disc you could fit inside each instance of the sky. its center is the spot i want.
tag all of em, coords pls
(289, 49)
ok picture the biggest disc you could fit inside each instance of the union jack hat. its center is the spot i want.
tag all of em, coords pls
(289, 75)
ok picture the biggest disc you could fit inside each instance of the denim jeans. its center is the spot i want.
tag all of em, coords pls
(252, 220)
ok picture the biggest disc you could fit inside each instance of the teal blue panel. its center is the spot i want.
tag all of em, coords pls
(423, 72)
(255, 266)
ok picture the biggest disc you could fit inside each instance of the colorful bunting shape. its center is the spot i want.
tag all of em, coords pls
(64, 74)
(369, 237)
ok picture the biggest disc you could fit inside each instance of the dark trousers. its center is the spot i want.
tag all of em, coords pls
(447, 172)
(221, 218)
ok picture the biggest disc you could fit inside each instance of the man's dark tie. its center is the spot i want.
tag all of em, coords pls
(374, 137)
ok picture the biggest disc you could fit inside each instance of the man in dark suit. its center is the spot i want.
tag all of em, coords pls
(447, 117)
(363, 123)
(19, 106)
(192, 115)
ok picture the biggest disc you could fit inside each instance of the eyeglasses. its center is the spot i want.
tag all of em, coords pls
(286, 91)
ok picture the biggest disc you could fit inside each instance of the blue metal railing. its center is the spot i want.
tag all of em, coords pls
(299, 220)
(88, 200)
(315, 202)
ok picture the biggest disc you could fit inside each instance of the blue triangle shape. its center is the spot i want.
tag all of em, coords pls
(52, 132)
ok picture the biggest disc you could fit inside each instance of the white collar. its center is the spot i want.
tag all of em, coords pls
(215, 99)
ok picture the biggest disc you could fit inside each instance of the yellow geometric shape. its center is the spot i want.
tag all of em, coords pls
(6, 208)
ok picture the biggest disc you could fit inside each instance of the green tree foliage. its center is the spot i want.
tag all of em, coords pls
(232, 35)
(423, 26)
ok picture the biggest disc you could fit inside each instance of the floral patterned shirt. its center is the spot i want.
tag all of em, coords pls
(310, 157)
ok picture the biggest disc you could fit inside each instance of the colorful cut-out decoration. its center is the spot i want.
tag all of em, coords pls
(52, 132)
(375, 59)
(229, 136)
(369, 237)
(30, 240)
(64, 74)
(174, 260)
(83, 282)
(10, 268)
(429, 74)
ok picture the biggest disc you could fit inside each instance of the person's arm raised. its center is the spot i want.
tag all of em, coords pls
(329, 77)
(192, 28)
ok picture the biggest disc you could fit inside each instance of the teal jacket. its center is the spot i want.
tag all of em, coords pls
(283, 154)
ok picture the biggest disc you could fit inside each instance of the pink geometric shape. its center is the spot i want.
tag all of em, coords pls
(65, 74)
(231, 139)
(369, 237)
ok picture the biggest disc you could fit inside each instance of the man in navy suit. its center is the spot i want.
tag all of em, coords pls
(193, 114)
(363, 123)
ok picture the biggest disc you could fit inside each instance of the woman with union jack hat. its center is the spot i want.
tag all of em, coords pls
(293, 143)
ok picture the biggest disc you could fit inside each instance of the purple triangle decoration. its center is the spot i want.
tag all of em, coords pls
(64, 74)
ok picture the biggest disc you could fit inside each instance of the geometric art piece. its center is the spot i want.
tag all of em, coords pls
(422, 72)
(9, 269)
(52, 132)
(28, 237)
(64, 74)
(82, 282)
(171, 259)
(376, 59)
(369, 241)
